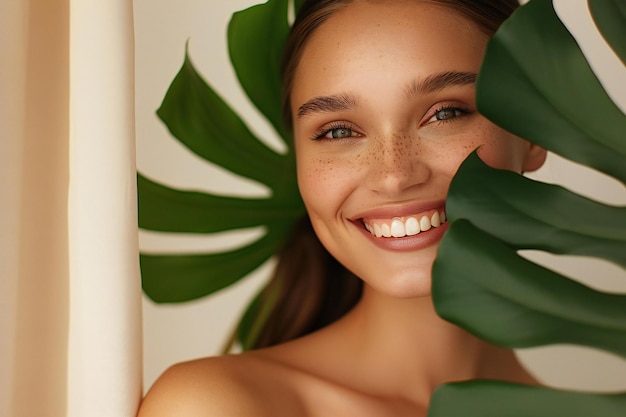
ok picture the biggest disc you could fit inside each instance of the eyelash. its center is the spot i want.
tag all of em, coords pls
(320, 134)
(463, 111)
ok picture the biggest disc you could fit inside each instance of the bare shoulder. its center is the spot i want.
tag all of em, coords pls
(235, 385)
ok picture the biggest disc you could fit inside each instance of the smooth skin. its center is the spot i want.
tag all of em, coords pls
(387, 146)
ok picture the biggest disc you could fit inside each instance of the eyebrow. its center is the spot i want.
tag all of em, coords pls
(430, 84)
(327, 104)
(440, 81)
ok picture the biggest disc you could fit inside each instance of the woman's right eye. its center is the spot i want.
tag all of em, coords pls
(336, 132)
(339, 133)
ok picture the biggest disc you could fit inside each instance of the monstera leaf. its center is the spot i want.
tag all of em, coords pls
(536, 83)
(204, 123)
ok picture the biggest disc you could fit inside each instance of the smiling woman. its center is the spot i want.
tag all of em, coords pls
(401, 138)
(380, 98)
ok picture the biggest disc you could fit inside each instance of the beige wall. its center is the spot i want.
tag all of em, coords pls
(178, 332)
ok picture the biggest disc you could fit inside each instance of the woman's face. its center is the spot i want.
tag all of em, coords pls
(384, 113)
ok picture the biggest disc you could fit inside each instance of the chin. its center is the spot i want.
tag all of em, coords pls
(402, 280)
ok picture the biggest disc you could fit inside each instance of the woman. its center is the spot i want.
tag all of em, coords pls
(380, 95)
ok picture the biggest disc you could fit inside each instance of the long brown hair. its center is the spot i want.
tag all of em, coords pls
(309, 288)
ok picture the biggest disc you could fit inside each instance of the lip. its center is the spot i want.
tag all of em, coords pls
(404, 210)
(408, 243)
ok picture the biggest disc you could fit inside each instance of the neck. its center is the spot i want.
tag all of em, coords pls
(404, 341)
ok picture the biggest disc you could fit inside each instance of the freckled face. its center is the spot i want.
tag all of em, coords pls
(384, 113)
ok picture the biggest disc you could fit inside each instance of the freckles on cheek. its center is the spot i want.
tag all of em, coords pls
(449, 157)
(327, 181)
(315, 177)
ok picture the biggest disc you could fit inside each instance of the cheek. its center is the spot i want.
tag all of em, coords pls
(311, 177)
(506, 154)
(500, 149)
(323, 181)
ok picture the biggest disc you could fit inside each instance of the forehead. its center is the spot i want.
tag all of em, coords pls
(375, 37)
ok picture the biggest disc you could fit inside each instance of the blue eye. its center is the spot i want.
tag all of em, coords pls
(337, 130)
(448, 113)
(339, 133)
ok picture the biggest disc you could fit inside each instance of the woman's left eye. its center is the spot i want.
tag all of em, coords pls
(447, 113)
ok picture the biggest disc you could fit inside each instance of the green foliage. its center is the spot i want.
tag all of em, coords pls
(537, 215)
(610, 16)
(503, 298)
(202, 121)
(255, 41)
(536, 83)
(563, 105)
(490, 398)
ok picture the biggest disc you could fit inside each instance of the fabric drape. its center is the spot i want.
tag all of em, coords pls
(70, 293)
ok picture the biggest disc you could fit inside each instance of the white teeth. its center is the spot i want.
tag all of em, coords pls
(412, 226)
(424, 224)
(434, 220)
(397, 228)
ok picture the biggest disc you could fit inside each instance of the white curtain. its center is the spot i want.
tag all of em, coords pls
(70, 293)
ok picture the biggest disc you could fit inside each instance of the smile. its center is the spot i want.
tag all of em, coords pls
(398, 227)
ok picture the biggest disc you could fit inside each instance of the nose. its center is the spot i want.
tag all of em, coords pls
(396, 164)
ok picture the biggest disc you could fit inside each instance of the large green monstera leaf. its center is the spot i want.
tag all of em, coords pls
(536, 83)
(204, 123)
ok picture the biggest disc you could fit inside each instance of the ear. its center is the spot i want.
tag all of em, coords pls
(535, 158)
